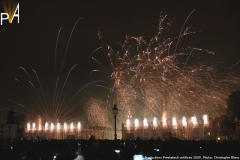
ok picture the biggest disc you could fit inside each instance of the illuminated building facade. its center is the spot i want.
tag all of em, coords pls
(69, 131)
(185, 129)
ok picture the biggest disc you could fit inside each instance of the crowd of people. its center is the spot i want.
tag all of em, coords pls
(49, 149)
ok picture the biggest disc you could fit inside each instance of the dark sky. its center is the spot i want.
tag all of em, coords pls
(31, 43)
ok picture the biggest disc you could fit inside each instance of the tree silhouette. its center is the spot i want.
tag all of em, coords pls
(233, 105)
(226, 126)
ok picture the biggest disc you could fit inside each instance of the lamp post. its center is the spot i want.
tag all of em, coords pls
(115, 111)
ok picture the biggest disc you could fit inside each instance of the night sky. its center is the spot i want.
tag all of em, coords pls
(31, 43)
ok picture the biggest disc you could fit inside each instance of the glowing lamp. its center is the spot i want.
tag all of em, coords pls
(205, 119)
(194, 120)
(184, 121)
(79, 125)
(128, 123)
(28, 127)
(136, 123)
(154, 121)
(164, 121)
(145, 123)
(174, 121)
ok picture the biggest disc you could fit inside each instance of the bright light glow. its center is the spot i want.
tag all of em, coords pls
(52, 126)
(79, 126)
(39, 123)
(128, 123)
(46, 126)
(174, 121)
(65, 126)
(136, 123)
(164, 121)
(58, 126)
(205, 119)
(145, 123)
(28, 127)
(194, 120)
(137, 157)
(154, 121)
(39, 127)
(33, 126)
(184, 121)
(117, 151)
(71, 126)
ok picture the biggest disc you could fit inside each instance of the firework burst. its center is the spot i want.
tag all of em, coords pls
(150, 79)
(96, 114)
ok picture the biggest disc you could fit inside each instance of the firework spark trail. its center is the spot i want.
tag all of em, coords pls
(148, 53)
(122, 92)
(187, 59)
(148, 80)
(103, 87)
(115, 91)
(77, 93)
(21, 83)
(24, 113)
(25, 72)
(101, 65)
(121, 45)
(182, 30)
(57, 97)
(60, 105)
(46, 113)
(113, 51)
(67, 78)
(231, 67)
(23, 106)
(69, 111)
(64, 84)
(93, 52)
(31, 82)
(40, 85)
(70, 120)
(158, 81)
(54, 94)
(67, 46)
(58, 91)
(169, 47)
(96, 115)
(5, 109)
(56, 47)
(17, 111)
(128, 99)
(129, 88)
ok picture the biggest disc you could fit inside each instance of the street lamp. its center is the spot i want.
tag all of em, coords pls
(115, 111)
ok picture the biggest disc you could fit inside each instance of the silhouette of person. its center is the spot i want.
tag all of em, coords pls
(10, 118)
